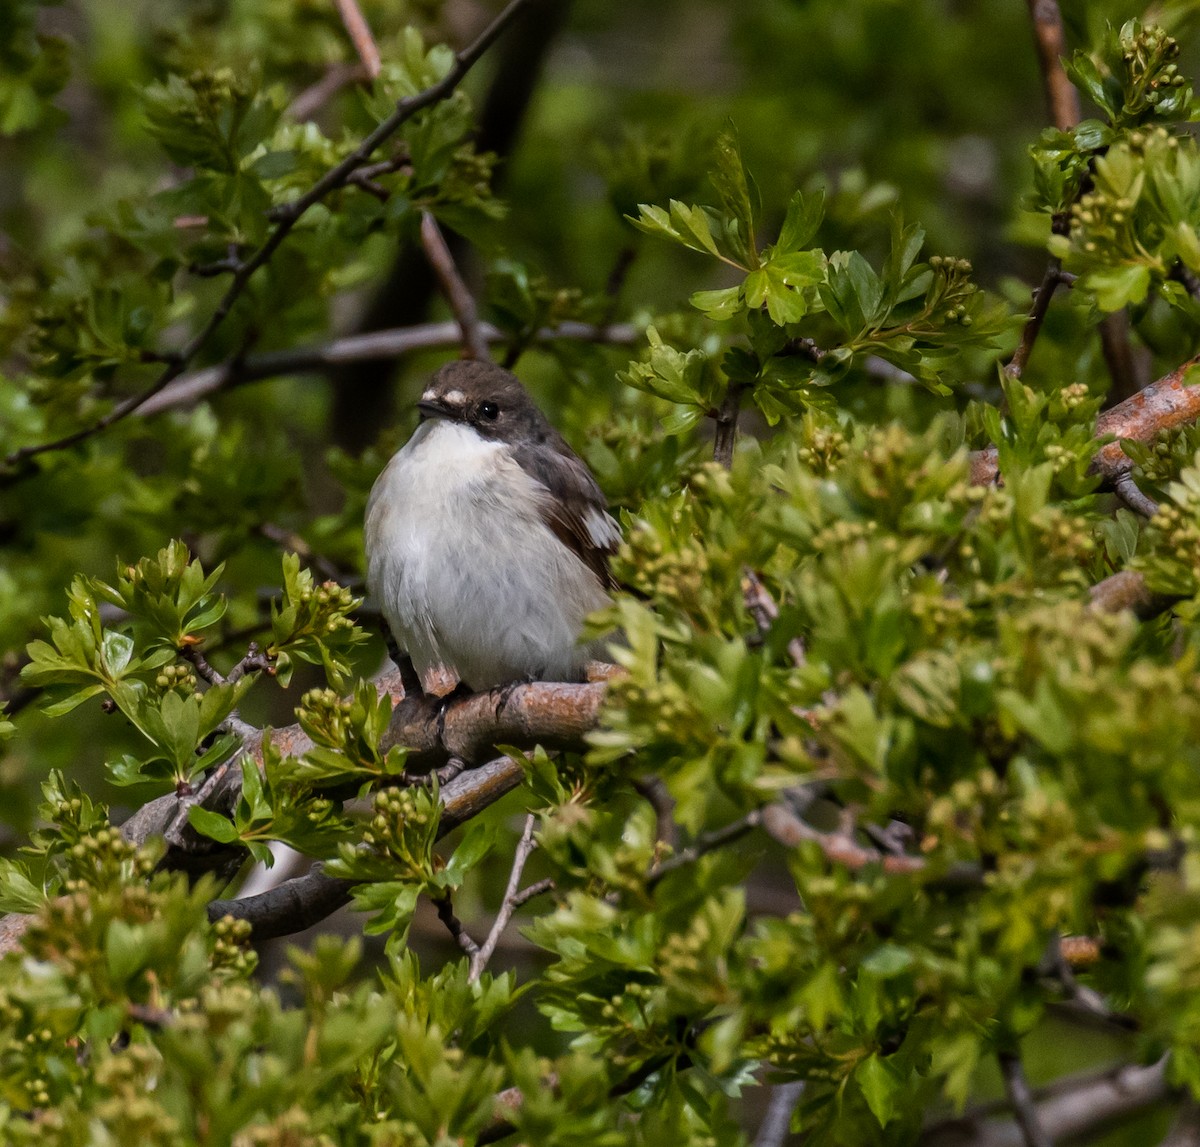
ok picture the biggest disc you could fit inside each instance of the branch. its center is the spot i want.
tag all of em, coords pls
(1061, 97)
(285, 218)
(190, 388)
(1042, 295)
(773, 1131)
(705, 843)
(482, 954)
(461, 301)
(1084, 1106)
(727, 419)
(1164, 404)
(306, 900)
(360, 36)
(313, 98)
(1020, 1099)
(445, 910)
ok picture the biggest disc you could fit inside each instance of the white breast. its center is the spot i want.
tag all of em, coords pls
(466, 573)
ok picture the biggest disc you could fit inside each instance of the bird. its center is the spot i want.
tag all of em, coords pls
(488, 538)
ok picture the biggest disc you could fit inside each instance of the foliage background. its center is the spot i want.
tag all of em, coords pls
(922, 111)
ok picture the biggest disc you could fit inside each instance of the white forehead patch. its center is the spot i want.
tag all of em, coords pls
(450, 398)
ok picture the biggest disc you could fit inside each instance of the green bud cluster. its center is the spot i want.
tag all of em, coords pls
(231, 950)
(180, 676)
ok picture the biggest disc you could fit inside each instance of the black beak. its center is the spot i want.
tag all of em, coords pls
(433, 410)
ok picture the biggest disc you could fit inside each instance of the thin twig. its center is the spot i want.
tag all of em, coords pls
(1020, 1099)
(456, 928)
(377, 346)
(313, 98)
(525, 846)
(761, 606)
(291, 541)
(285, 218)
(536, 889)
(704, 844)
(360, 36)
(461, 301)
(1037, 315)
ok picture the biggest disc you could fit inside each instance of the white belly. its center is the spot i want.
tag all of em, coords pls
(465, 572)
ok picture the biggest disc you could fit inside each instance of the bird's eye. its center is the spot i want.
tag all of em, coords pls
(489, 410)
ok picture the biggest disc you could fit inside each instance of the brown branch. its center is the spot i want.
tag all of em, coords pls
(313, 98)
(705, 843)
(761, 606)
(461, 301)
(525, 847)
(445, 910)
(1061, 96)
(1164, 404)
(1037, 315)
(285, 219)
(378, 346)
(726, 418)
(1123, 366)
(360, 36)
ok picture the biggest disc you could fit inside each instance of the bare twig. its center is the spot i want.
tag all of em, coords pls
(445, 910)
(292, 542)
(1037, 315)
(1020, 1099)
(761, 606)
(199, 662)
(726, 418)
(525, 846)
(285, 219)
(705, 843)
(382, 345)
(313, 98)
(461, 301)
(536, 889)
(360, 36)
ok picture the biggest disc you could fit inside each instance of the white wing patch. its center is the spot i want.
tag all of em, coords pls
(602, 529)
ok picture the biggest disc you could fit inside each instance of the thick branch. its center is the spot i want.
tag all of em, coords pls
(1164, 404)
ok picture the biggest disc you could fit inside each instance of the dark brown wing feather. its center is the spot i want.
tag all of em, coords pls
(575, 507)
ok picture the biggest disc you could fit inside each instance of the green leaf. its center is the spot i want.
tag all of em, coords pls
(212, 824)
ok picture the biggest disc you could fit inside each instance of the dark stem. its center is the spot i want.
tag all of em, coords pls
(726, 418)
(1020, 1098)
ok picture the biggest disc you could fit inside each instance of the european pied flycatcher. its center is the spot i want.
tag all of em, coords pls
(487, 537)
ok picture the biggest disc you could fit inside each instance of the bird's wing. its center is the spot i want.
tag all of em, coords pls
(574, 506)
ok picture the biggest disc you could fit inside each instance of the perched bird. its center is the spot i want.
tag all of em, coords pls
(487, 536)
